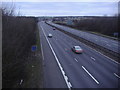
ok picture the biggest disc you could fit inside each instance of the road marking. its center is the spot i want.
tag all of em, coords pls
(76, 60)
(92, 58)
(42, 51)
(90, 75)
(116, 75)
(104, 41)
(70, 84)
(102, 54)
(65, 77)
(108, 45)
(21, 81)
(115, 44)
(41, 48)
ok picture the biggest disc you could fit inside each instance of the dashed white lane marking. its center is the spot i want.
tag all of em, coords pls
(63, 73)
(90, 75)
(102, 54)
(76, 60)
(116, 75)
(21, 81)
(92, 58)
(115, 44)
(104, 41)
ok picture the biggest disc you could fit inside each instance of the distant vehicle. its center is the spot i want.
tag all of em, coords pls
(77, 49)
(54, 28)
(50, 35)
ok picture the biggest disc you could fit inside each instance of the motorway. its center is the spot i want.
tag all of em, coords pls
(99, 40)
(65, 69)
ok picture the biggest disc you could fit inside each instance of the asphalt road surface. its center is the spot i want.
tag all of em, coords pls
(65, 69)
(102, 41)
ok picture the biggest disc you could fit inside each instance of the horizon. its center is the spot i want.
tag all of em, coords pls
(38, 9)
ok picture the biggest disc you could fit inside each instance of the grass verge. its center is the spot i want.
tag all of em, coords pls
(21, 68)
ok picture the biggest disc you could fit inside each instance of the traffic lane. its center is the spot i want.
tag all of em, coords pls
(66, 37)
(116, 66)
(84, 34)
(105, 81)
(104, 61)
(105, 67)
(74, 72)
(74, 30)
(52, 75)
(102, 74)
(96, 39)
(70, 67)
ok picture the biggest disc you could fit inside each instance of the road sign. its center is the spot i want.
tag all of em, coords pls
(34, 48)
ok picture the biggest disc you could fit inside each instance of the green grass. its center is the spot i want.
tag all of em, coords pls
(38, 40)
(34, 68)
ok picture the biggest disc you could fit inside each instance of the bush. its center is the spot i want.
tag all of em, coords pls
(18, 37)
(104, 25)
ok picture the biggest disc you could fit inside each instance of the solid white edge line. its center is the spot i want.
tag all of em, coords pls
(70, 84)
(102, 54)
(42, 51)
(116, 75)
(90, 75)
(41, 46)
(65, 77)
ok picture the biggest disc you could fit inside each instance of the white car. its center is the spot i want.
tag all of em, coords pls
(50, 35)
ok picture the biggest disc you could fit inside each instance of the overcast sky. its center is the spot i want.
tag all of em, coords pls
(86, 8)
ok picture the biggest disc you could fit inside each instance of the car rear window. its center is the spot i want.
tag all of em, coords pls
(77, 47)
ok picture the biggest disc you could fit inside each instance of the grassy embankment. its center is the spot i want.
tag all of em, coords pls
(21, 68)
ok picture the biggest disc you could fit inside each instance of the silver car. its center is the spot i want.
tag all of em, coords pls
(77, 49)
